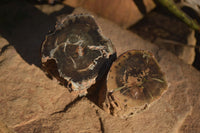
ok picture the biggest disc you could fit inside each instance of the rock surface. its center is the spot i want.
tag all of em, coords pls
(124, 13)
(165, 35)
(26, 93)
(4, 128)
(31, 102)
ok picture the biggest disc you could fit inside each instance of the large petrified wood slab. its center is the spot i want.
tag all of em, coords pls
(76, 53)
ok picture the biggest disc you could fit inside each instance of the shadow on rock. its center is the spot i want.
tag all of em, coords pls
(25, 27)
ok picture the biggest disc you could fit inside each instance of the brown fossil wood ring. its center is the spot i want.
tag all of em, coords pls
(134, 80)
(76, 53)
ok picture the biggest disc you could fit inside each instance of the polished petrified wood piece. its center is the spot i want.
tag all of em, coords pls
(76, 53)
(133, 82)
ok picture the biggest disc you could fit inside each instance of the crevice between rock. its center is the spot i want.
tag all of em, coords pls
(101, 122)
(4, 48)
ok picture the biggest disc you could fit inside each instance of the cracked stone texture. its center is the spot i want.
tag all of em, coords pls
(31, 102)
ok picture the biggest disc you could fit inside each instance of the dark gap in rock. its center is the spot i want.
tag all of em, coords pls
(196, 63)
(4, 48)
(101, 122)
(102, 127)
(189, 11)
(196, 17)
(141, 6)
(97, 92)
(94, 90)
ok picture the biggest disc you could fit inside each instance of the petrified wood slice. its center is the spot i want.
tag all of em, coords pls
(133, 82)
(76, 53)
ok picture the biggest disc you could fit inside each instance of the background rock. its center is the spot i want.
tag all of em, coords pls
(31, 102)
(124, 13)
(167, 32)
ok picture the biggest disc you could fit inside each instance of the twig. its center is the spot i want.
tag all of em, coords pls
(171, 6)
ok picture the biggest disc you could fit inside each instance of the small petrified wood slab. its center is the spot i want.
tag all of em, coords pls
(133, 82)
(76, 53)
